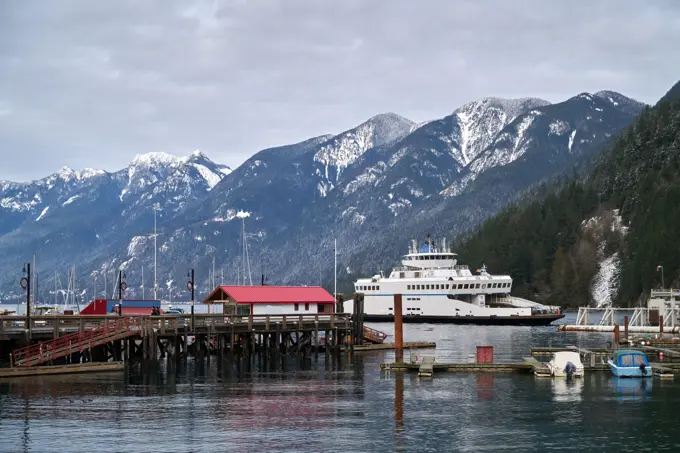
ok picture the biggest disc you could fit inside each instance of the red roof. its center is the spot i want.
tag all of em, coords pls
(275, 294)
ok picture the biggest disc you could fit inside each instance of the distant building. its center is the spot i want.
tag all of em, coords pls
(272, 300)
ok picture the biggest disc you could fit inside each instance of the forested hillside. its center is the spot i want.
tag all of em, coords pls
(616, 222)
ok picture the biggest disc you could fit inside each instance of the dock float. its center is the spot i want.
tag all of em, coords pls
(528, 365)
(463, 367)
(90, 367)
(382, 346)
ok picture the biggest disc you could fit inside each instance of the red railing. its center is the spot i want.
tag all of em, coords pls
(374, 336)
(75, 342)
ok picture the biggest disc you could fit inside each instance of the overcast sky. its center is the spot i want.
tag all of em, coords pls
(93, 83)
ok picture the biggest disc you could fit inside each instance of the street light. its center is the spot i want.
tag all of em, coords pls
(25, 283)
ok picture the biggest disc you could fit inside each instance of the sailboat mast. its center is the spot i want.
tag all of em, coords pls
(35, 278)
(155, 281)
(143, 283)
(335, 269)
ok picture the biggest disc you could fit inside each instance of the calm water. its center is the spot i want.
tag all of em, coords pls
(345, 405)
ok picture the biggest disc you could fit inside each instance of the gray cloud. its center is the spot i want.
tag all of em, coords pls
(91, 84)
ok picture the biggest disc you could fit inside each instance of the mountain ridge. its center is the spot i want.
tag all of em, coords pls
(371, 187)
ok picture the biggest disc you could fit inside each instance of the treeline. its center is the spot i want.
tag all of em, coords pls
(551, 255)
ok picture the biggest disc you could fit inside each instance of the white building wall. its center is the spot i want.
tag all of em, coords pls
(284, 309)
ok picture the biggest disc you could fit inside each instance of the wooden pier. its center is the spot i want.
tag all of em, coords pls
(63, 339)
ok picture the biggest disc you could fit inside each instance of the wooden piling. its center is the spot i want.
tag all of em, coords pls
(661, 325)
(617, 335)
(625, 326)
(398, 330)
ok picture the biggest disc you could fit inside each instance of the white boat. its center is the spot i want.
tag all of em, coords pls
(436, 289)
(564, 363)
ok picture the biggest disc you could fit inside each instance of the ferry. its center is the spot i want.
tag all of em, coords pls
(436, 289)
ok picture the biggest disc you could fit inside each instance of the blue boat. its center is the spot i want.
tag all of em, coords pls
(630, 363)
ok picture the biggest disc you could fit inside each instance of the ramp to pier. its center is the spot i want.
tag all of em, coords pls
(374, 336)
(46, 351)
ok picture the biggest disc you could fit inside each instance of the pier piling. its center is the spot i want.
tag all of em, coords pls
(398, 330)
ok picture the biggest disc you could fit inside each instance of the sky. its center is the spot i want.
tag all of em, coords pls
(93, 83)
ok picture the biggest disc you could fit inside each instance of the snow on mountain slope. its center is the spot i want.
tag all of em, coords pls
(569, 126)
(479, 122)
(607, 226)
(342, 150)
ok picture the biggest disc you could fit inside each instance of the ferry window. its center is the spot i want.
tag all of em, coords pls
(401, 275)
(419, 287)
(447, 286)
(483, 286)
(408, 287)
(477, 286)
(296, 307)
(377, 288)
(465, 286)
(460, 286)
(306, 307)
(436, 286)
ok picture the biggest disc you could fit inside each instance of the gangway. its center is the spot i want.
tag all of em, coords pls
(374, 336)
(46, 351)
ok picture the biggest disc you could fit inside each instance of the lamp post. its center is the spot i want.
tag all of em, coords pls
(660, 268)
(190, 287)
(122, 286)
(25, 283)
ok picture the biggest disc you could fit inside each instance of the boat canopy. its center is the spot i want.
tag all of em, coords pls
(630, 357)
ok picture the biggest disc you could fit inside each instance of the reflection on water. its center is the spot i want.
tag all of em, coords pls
(629, 389)
(344, 404)
(567, 390)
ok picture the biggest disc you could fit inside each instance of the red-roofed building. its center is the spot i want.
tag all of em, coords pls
(272, 300)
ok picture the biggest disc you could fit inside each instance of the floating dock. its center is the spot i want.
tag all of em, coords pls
(383, 346)
(92, 367)
(594, 360)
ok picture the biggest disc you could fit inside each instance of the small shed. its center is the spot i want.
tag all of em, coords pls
(272, 300)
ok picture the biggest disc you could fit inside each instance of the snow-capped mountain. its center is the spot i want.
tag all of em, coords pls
(372, 188)
(76, 217)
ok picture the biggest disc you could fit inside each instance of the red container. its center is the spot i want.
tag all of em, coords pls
(484, 354)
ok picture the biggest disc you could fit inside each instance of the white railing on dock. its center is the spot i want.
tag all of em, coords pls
(639, 319)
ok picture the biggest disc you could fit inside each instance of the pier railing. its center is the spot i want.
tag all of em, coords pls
(76, 342)
(58, 324)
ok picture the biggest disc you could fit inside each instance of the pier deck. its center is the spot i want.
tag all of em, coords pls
(91, 338)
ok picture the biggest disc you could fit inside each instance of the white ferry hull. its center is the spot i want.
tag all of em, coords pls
(435, 289)
(493, 320)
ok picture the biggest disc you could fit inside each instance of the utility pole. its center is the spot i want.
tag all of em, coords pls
(94, 285)
(335, 271)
